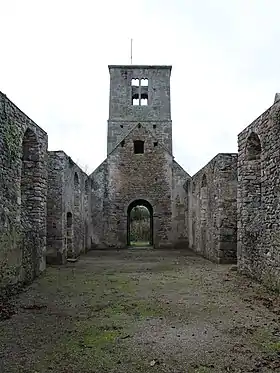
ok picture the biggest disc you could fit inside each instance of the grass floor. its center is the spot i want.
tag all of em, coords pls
(142, 311)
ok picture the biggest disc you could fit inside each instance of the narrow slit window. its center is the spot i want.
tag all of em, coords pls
(122, 144)
(138, 147)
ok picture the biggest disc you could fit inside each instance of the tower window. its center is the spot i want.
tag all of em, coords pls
(135, 99)
(154, 126)
(135, 82)
(155, 143)
(144, 82)
(122, 144)
(138, 147)
(144, 99)
(121, 125)
(139, 125)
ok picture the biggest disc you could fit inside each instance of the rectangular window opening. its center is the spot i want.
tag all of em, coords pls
(138, 147)
(155, 143)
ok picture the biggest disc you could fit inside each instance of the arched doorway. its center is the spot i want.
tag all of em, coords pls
(140, 223)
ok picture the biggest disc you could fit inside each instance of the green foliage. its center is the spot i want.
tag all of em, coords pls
(139, 213)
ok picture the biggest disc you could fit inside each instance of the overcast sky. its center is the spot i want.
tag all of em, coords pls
(54, 58)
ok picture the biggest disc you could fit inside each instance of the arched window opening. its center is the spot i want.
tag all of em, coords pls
(252, 189)
(253, 147)
(135, 82)
(144, 82)
(138, 147)
(140, 224)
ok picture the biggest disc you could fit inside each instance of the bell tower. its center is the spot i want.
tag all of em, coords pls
(139, 94)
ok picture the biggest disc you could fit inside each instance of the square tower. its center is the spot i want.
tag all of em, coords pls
(139, 94)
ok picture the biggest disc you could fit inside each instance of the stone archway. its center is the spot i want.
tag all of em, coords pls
(140, 223)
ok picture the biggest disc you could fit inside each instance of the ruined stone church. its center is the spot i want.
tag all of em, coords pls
(140, 167)
(51, 211)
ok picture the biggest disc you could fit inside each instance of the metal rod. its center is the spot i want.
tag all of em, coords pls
(131, 51)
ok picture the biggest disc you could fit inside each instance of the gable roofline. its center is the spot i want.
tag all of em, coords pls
(132, 129)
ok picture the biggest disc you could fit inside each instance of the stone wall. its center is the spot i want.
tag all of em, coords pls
(258, 198)
(181, 194)
(126, 177)
(68, 218)
(123, 115)
(99, 206)
(23, 191)
(213, 211)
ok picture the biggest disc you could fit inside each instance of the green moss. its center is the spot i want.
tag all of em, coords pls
(12, 139)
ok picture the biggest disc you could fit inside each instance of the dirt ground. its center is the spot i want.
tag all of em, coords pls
(142, 311)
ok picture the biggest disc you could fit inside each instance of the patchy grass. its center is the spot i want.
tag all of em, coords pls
(138, 311)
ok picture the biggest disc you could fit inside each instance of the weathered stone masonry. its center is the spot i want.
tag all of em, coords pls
(151, 176)
(258, 198)
(23, 193)
(68, 209)
(213, 212)
(50, 210)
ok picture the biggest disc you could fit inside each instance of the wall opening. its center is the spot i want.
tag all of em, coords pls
(140, 224)
(253, 170)
(253, 147)
(138, 147)
(135, 82)
(31, 196)
(69, 234)
(144, 82)
(144, 99)
(135, 99)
